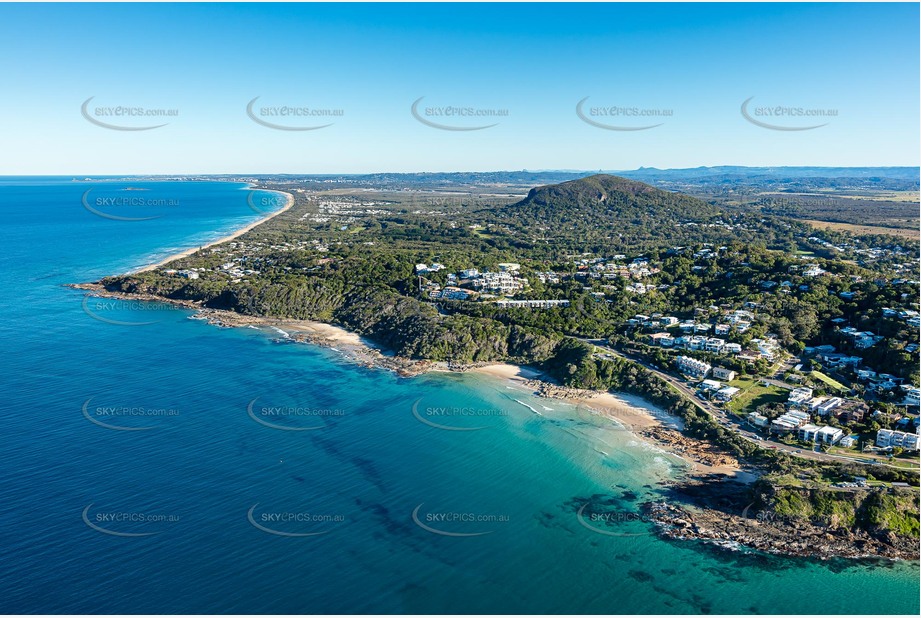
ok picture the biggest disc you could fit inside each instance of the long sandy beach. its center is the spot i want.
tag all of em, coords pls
(289, 202)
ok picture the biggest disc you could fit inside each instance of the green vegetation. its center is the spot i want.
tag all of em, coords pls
(754, 394)
(874, 510)
(834, 384)
(338, 258)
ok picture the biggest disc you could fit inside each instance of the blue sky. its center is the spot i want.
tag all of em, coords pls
(697, 63)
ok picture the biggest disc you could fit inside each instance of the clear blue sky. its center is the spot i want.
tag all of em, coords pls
(536, 61)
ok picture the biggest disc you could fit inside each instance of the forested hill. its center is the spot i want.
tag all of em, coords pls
(612, 199)
(621, 213)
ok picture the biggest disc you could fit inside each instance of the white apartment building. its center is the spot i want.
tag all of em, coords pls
(692, 366)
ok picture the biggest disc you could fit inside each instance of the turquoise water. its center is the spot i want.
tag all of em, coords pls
(268, 476)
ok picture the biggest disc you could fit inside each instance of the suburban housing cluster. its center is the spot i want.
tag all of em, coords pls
(471, 283)
(695, 335)
(803, 407)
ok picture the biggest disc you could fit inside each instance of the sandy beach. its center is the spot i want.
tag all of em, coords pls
(633, 412)
(289, 202)
(646, 421)
(329, 332)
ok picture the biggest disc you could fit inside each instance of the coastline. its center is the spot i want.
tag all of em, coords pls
(646, 422)
(685, 517)
(289, 202)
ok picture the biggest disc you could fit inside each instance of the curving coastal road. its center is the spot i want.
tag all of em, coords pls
(719, 415)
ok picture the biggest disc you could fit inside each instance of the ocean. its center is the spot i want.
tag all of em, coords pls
(153, 463)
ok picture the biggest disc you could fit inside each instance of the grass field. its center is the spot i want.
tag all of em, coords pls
(754, 394)
(818, 375)
(913, 233)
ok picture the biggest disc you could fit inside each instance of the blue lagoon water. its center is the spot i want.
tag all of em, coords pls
(152, 463)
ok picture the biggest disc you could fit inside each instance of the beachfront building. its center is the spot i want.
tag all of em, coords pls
(422, 269)
(692, 366)
(887, 438)
(849, 441)
(813, 403)
(714, 344)
(709, 385)
(548, 277)
(502, 282)
(726, 393)
(829, 435)
(808, 432)
(789, 422)
(767, 348)
(822, 435)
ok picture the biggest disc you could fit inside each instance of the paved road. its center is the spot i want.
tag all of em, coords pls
(720, 415)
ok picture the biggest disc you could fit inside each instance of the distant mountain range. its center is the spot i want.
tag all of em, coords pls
(736, 171)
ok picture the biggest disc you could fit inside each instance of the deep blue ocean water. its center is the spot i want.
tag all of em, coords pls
(152, 463)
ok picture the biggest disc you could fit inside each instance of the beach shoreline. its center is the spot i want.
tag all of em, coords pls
(289, 202)
(641, 418)
(644, 420)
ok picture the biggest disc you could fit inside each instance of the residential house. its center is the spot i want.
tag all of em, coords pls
(814, 403)
(709, 385)
(799, 395)
(848, 441)
(714, 344)
(726, 393)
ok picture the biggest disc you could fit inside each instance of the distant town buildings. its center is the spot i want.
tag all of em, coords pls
(536, 304)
